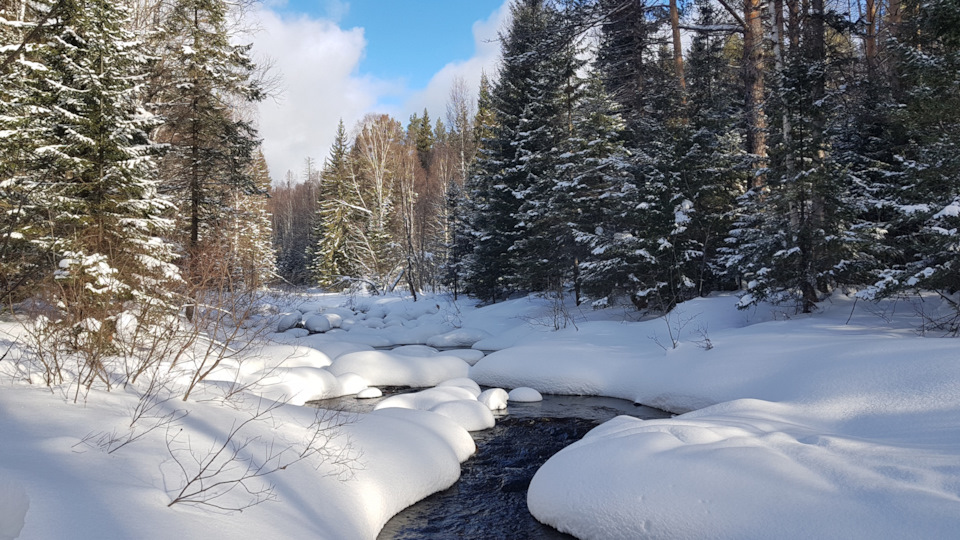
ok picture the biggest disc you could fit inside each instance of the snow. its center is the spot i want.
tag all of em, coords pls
(494, 398)
(383, 368)
(317, 324)
(369, 393)
(461, 337)
(524, 394)
(452, 401)
(288, 321)
(841, 424)
(463, 382)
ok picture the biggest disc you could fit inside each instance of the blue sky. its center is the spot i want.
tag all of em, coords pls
(344, 59)
(406, 39)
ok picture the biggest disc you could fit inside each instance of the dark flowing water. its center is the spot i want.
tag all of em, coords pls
(490, 499)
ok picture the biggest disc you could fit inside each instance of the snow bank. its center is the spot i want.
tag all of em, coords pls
(392, 459)
(461, 337)
(814, 427)
(747, 469)
(14, 504)
(381, 368)
(469, 413)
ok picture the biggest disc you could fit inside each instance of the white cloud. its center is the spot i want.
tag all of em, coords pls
(318, 62)
(485, 58)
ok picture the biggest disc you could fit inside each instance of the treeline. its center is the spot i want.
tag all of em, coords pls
(130, 172)
(378, 213)
(792, 148)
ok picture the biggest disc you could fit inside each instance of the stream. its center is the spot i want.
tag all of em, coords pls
(490, 499)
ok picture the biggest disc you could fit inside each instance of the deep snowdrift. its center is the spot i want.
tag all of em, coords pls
(843, 424)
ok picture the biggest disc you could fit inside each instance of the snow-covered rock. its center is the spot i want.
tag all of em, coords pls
(470, 356)
(524, 394)
(370, 393)
(494, 398)
(463, 382)
(425, 400)
(469, 413)
(335, 319)
(289, 320)
(316, 324)
(415, 350)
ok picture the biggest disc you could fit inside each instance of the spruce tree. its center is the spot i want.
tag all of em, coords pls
(334, 219)
(202, 74)
(463, 210)
(923, 199)
(499, 178)
(105, 213)
(24, 117)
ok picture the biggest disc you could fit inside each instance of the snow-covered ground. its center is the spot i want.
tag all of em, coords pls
(843, 424)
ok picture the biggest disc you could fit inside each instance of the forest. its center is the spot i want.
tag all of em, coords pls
(625, 151)
(786, 148)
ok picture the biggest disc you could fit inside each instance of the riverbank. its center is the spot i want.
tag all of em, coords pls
(839, 424)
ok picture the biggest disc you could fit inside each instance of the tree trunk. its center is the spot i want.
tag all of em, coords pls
(753, 82)
(677, 49)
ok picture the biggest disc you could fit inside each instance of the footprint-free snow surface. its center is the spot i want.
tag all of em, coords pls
(840, 424)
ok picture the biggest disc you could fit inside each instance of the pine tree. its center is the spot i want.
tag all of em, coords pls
(514, 165)
(463, 210)
(202, 74)
(425, 140)
(595, 187)
(498, 175)
(796, 239)
(105, 216)
(23, 119)
(715, 167)
(922, 198)
(334, 219)
(639, 255)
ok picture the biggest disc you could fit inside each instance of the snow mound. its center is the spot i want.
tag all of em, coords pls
(333, 349)
(737, 461)
(463, 382)
(287, 356)
(369, 393)
(317, 324)
(494, 398)
(289, 320)
(381, 368)
(461, 337)
(335, 319)
(524, 394)
(470, 356)
(425, 400)
(297, 385)
(469, 413)
(351, 383)
(415, 350)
